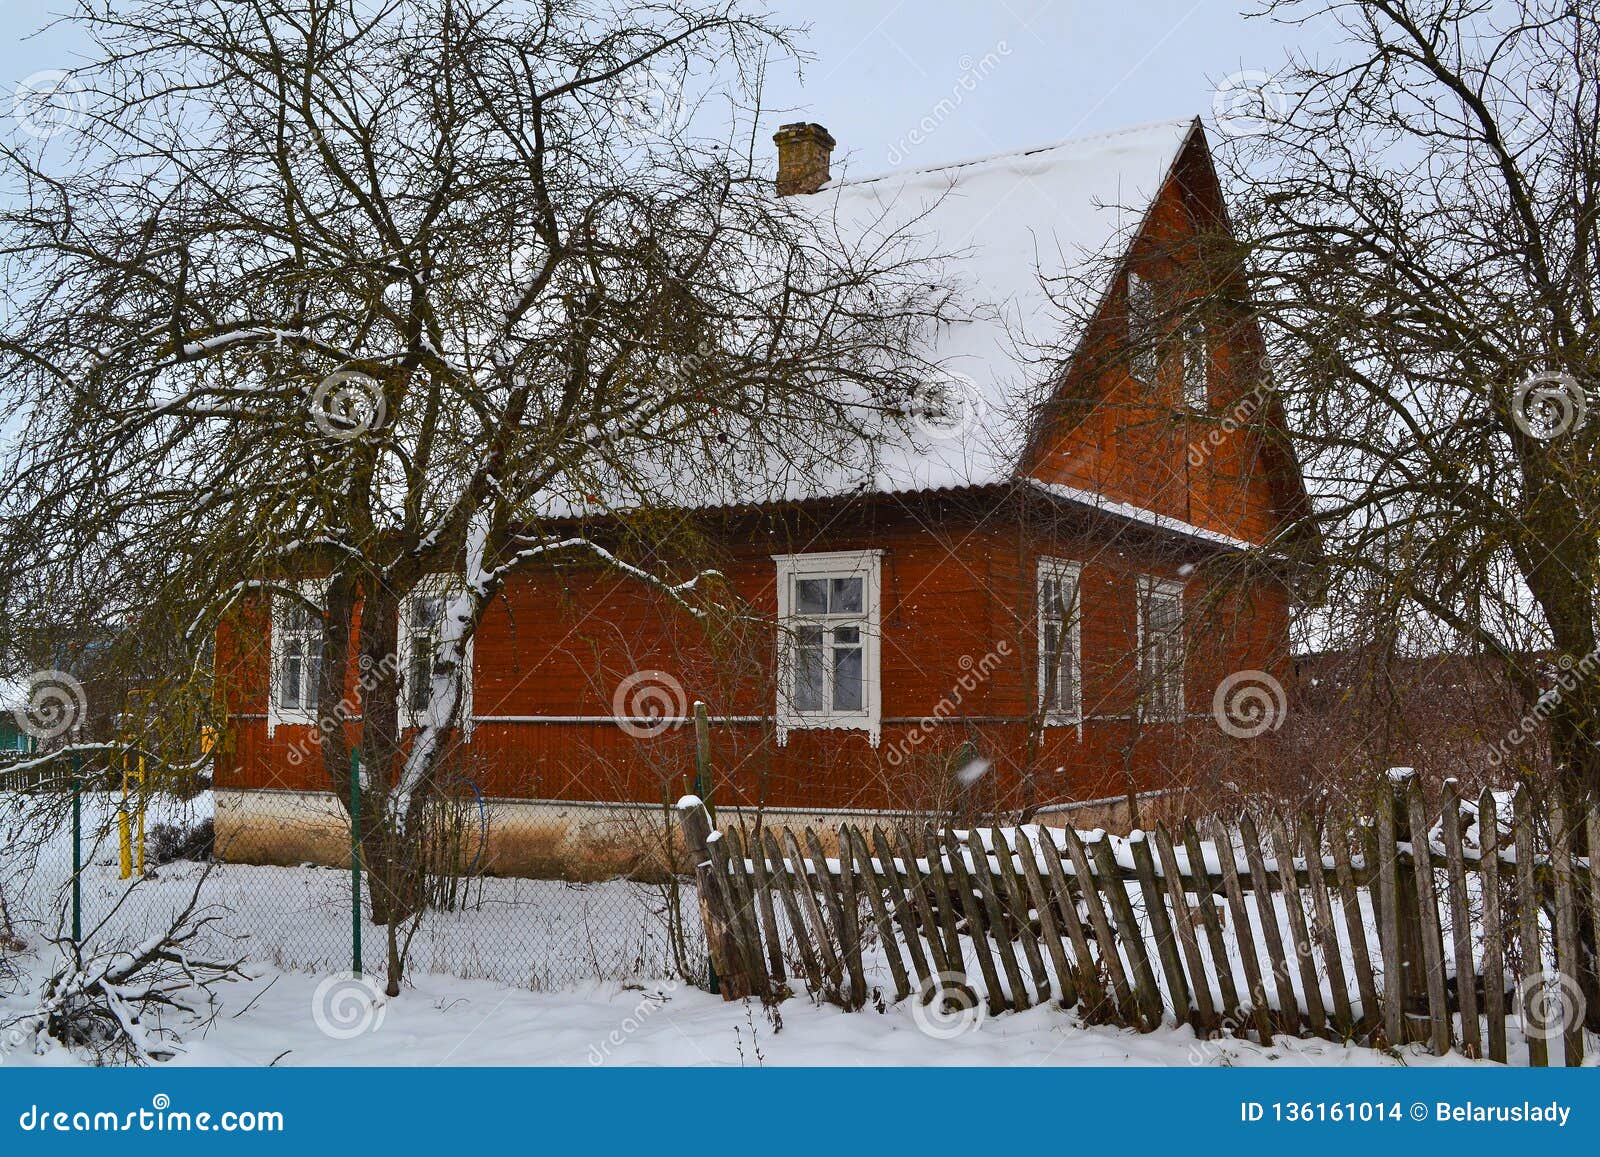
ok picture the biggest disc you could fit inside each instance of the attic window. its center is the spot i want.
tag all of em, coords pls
(1141, 328)
(1196, 369)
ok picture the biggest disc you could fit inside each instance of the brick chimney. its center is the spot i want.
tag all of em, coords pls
(803, 152)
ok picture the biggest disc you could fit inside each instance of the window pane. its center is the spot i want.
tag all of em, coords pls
(1196, 392)
(419, 680)
(313, 676)
(808, 678)
(1141, 316)
(847, 688)
(850, 636)
(289, 687)
(846, 596)
(811, 596)
(1066, 601)
(1049, 641)
(426, 613)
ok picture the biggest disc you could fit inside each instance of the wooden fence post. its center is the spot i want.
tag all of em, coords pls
(716, 909)
(1569, 953)
(1494, 945)
(1528, 903)
(1386, 839)
(1406, 919)
(1429, 927)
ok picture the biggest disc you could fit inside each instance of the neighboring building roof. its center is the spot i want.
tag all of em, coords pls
(999, 223)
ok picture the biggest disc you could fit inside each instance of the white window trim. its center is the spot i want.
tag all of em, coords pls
(443, 586)
(835, 564)
(316, 591)
(1150, 585)
(1058, 569)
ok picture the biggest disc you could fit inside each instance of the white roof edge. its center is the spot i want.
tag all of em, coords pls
(1187, 122)
(1140, 514)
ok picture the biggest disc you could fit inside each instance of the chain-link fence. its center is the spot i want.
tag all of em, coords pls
(138, 869)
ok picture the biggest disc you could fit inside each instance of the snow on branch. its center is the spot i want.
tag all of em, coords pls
(674, 591)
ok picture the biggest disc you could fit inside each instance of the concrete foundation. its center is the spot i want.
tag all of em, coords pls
(547, 839)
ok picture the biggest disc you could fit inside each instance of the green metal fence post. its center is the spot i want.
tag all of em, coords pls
(702, 759)
(77, 864)
(702, 788)
(355, 862)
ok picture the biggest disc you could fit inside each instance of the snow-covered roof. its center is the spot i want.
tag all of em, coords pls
(998, 224)
(1139, 514)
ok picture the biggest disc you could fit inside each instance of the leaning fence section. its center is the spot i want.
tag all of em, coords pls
(1467, 925)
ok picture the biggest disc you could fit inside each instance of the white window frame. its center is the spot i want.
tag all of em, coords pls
(1150, 586)
(1141, 298)
(314, 590)
(440, 586)
(865, 564)
(1196, 383)
(1061, 570)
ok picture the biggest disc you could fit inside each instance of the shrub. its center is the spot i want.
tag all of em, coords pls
(179, 841)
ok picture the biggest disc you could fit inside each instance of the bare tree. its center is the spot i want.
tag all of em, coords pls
(316, 290)
(123, 1000)
(1418, 223)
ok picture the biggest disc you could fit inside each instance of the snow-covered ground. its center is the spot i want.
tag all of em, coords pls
(540, 934)
(279, 1018)
(512, 980)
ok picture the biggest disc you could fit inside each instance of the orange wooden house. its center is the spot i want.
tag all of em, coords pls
(1010, 615)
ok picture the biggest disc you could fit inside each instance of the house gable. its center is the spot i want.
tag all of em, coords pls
(1135, 444)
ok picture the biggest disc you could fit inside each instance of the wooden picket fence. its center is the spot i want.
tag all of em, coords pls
(1486, 923)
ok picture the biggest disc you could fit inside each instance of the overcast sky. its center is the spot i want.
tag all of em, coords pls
(921, 82)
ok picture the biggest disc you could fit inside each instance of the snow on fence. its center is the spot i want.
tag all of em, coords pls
(1486, 923)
